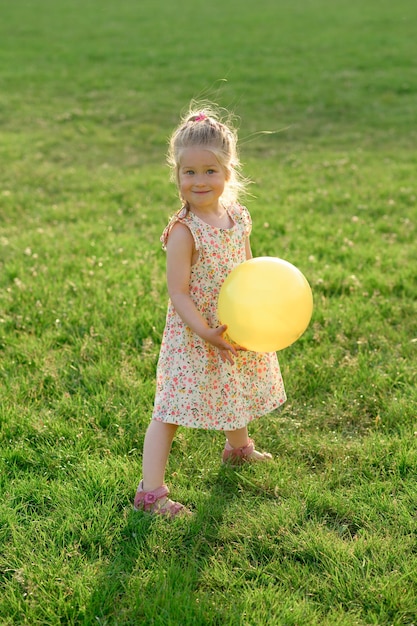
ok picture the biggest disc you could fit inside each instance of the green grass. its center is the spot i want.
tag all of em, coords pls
(89, 92)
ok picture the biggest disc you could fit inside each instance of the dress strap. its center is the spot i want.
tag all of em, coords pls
(184, 217)
(240, 214)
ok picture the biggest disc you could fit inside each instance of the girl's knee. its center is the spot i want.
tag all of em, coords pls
(163, 428)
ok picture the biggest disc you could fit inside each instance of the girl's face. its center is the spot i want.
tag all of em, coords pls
(201, 179)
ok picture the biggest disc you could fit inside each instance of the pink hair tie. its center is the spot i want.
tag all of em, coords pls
(200, 117)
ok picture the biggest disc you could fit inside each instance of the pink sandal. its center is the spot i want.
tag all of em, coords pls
(149, 501)
(237, 456)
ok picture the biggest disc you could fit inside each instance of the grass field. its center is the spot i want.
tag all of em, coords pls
(89, 91)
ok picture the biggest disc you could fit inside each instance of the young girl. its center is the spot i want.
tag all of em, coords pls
(203, 379)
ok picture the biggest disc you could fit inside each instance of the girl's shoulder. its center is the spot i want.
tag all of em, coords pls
(182, 216)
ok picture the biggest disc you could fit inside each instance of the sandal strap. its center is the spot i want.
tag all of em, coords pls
(146, 499)
(172, 508)
(241, 453)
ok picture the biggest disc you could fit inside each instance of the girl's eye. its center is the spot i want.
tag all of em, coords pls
(189, 172)
(211, 171)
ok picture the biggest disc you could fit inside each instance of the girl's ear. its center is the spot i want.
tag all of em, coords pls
(228, 173)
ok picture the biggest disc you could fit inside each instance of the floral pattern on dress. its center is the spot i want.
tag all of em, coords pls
(194, 387)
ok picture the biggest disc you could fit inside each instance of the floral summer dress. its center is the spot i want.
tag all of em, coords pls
(194, 387)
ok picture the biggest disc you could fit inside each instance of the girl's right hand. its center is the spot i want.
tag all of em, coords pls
(226, 350)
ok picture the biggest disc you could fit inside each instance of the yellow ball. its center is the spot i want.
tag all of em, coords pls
(266, 303)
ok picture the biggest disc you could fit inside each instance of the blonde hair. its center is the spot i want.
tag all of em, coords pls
(203, 127)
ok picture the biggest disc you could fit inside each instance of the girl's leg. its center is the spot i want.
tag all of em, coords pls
(156, 449)
(238, 439)
(152, 493)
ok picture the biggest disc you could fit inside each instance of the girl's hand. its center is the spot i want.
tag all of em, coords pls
(226, 349)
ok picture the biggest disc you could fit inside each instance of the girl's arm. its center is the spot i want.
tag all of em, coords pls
(248, 249)
(179, 248)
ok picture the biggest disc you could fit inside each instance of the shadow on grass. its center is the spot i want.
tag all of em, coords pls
(157, 572)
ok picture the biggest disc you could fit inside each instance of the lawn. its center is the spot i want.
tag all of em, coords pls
(326, 95)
